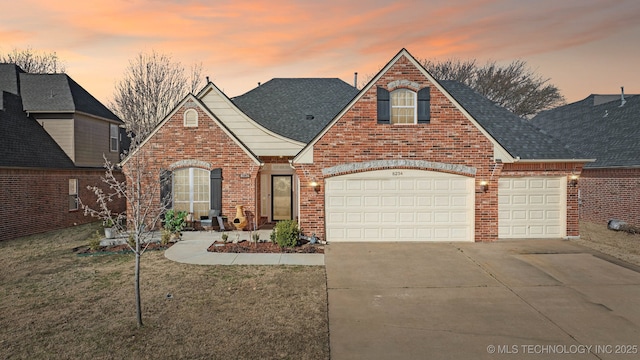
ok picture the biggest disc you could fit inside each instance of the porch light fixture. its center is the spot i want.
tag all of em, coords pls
(315, 186)
(574, 180)
(484, 186)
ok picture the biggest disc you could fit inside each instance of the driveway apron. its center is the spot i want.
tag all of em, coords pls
(537, 299)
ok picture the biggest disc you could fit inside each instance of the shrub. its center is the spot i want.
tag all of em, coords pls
(225, 237)
(287, 233)
(94, 241)
(166, 237)
(174, 221)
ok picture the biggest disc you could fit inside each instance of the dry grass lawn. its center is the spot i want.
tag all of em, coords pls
(619, 244)
(54, 304)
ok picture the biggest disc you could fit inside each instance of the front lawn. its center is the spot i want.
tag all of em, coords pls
(55, 304)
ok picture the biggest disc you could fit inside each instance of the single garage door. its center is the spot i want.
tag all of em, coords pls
(532, 207)
(399, 205)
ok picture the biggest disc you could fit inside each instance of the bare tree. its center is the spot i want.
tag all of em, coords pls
(34, 62)
(141, 191)
(514, 86)
(152, 85)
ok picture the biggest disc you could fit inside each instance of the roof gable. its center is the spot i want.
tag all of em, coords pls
(296, 108)
(513, 141)
(212, 116)
(261, 140)
(605, 131)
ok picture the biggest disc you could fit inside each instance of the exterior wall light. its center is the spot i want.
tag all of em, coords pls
(574, 180)
(484, 186)
(315, 186)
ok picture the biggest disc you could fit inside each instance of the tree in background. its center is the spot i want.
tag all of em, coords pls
(152, 86)
(513, 86)
(34, 62)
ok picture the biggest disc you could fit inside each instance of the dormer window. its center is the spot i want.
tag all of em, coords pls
(191, 118)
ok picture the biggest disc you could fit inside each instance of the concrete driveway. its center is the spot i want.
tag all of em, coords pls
(535, 299)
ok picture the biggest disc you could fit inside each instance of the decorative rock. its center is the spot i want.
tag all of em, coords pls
(616, 225)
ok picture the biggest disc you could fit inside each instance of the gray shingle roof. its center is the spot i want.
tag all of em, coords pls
(283, 105)
(24, 143)
(59, 93)
(515, 134)
(604, 131)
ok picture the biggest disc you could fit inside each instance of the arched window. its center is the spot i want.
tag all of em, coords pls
(403, 107)
(191, 118)
(191, 189)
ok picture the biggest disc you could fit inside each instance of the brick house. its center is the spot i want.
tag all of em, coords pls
(406, 158)
(53, 134)
(604, 127)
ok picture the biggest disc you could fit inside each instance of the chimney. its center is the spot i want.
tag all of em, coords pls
(622, 100)
(355, 80)
(259, 84)
(208, 80)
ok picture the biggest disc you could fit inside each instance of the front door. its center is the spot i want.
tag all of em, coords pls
(281, 198)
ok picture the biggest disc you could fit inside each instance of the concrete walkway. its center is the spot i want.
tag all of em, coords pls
(192, 249)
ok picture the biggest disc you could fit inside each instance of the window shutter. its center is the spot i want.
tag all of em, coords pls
(424, 106)
(166, 183)
(384, 109)
(216, 190)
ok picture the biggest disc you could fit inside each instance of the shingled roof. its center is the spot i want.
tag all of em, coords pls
(59, 93)
(516, 135)
(23, 142)
(602, 129)
(296, 108)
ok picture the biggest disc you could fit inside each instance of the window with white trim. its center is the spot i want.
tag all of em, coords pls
(114, 133)
(191, 118)
(403, 107)
(73, 194)
(191, 189)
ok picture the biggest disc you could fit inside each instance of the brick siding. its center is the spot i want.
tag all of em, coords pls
(610, 194)
(211, 148)
(450, 138)
(37, 201)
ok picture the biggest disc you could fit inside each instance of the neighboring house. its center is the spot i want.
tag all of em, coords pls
(53, 135)
(607, 128)
(406, 158)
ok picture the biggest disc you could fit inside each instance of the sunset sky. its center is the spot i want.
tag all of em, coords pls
(584, 46)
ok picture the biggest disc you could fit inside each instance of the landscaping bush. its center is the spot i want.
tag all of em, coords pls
(287, 233)
(174, 221)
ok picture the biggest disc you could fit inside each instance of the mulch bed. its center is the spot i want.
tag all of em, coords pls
(115, 249)
(264, 247)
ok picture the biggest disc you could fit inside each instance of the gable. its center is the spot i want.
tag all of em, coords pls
(403, 63)
(207, 136)
(511, 137)
(260, 140)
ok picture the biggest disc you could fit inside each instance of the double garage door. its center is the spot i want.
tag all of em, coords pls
(399, 205)
(416, 205)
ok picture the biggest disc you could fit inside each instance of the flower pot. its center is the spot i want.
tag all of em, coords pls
(109, 233)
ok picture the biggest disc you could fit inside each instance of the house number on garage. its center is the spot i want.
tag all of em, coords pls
(396, 173)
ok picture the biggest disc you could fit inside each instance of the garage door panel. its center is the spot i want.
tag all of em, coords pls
(531, 207)
(414, 206)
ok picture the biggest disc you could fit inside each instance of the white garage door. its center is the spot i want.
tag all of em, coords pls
(399, 205)
(532, 207)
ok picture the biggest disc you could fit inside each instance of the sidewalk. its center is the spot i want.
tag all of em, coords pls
(192, 249)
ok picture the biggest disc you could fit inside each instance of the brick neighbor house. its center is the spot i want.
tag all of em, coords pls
(407, 158)
(607, 128)
(53, 135)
